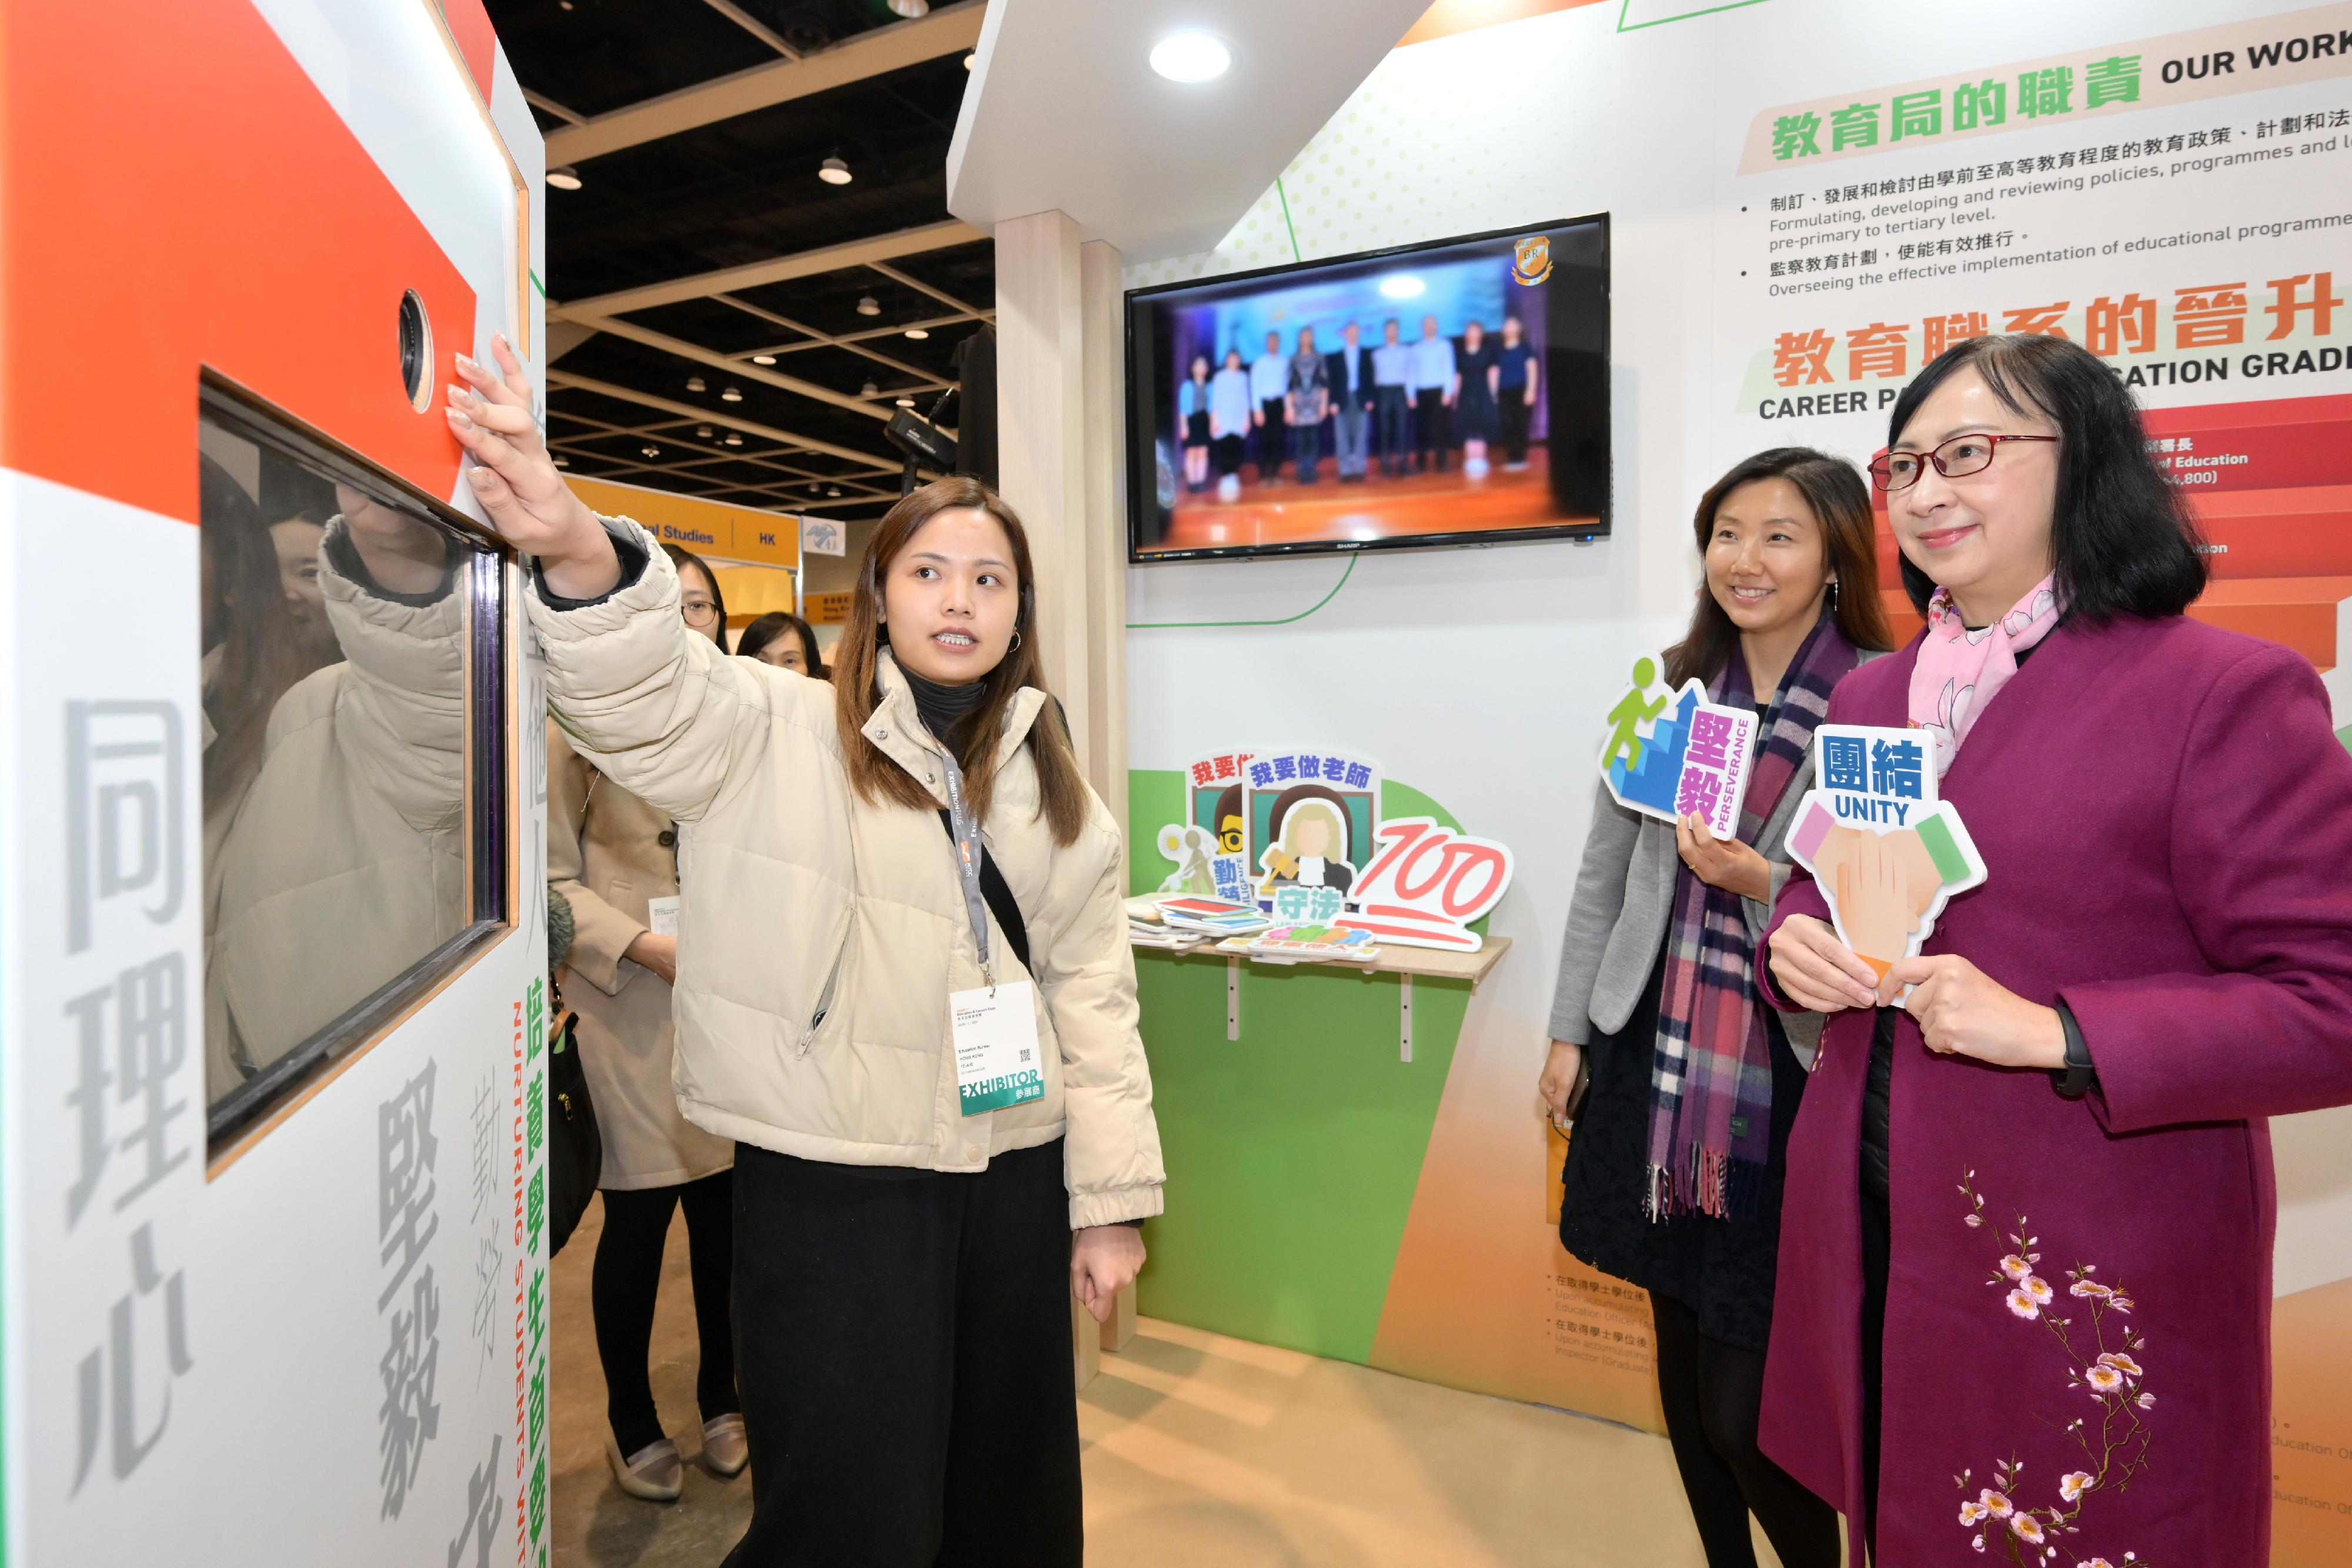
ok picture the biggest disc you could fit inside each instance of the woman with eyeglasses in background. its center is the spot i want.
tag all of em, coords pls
(614, 858)
(2023, 1298)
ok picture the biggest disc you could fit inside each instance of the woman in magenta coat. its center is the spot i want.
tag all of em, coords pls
(2025, 1286)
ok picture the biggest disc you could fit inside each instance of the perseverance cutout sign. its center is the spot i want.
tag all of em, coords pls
(1670, 754)
(1886, 852)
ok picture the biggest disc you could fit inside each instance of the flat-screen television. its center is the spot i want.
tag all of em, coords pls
(1449, 393)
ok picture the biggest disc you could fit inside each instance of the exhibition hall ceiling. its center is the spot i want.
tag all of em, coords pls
(702, 235)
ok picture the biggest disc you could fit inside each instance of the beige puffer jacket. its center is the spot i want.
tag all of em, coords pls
(346, 862)
(821, 935)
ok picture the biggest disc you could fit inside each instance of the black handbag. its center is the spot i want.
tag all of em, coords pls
(575, 1147)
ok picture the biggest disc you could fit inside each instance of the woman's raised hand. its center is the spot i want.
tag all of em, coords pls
(527, 499)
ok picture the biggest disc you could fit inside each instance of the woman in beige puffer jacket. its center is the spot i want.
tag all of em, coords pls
(902, 1268)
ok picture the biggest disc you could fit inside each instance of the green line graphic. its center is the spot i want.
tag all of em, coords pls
(1280, 621)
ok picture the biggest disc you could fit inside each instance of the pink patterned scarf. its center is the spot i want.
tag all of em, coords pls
(1960, 671)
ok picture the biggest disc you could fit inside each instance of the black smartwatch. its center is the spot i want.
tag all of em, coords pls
(2077, 1078)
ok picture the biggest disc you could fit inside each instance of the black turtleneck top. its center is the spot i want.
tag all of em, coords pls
(944, 709)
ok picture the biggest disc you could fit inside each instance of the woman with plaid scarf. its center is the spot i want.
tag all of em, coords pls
(1677, 1083)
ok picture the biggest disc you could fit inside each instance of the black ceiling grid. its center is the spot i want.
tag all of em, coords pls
(735, 192)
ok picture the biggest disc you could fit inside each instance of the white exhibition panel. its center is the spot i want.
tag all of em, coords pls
(1064, 112)
(240, 1366)
(1486, 670)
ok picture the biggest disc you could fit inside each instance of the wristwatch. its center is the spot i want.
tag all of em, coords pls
(2078, 1077)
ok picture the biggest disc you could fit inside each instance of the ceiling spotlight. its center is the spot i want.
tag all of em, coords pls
(1190, 58)
(917, 333)
(703, 431)
(650, 450)
(906, 403)
(834, 490)
(834, 172)
(564, 177)
(870, 390)
(869, 305)
(733, 394)
(734, 438)
(967, 60)
(694, 383)
(911, 9)
(561, 461)
(763, 358)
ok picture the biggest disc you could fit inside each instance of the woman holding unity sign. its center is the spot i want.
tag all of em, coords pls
(2023, 1304)
(1682, 1084)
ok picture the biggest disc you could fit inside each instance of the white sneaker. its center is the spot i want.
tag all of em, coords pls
(725, 1448)
(654, 1472)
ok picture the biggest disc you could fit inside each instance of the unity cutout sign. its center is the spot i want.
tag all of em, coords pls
(1671, 754)
(1886, 852)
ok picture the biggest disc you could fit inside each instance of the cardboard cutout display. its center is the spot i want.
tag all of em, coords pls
(1886, 852)
(1427, 884)
(1297, 833)
(1209, 846)
(1669, 754)
(1308, 817)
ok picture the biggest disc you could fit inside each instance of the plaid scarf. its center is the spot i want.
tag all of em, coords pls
(1711, 1082)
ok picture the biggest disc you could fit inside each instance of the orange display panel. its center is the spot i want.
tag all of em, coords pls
(257, 238)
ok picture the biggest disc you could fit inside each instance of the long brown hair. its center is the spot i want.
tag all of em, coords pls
(1841, 506)
(1061, 790)
(248, 619)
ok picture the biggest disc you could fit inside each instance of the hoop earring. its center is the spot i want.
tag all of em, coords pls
(1016, 643)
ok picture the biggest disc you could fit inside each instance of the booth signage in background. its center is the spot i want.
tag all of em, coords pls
(829, 609)
(1807, 202)
(823, 536)
(271, 1100)
(710, 528)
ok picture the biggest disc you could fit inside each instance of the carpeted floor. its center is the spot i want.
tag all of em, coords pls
(1199, 1449)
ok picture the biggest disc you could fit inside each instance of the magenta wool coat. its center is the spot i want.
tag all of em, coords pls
(2077, 1344)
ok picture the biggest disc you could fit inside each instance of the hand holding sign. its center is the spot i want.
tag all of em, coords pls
(1885, 852)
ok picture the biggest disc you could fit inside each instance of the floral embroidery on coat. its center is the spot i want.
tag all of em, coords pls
(2099, 1350)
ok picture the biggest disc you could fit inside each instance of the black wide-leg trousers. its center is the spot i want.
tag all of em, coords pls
(903, 1351)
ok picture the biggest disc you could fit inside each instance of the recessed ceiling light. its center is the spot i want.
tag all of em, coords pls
(733, 394)
(650, 450)
(694, 383)
(561, 461)
(911, 9)
(833, 490)
(967, 60)
(564, 177)
(1403, 286)
(834, 172)
(763, 358)
(1190, 58)
(917, 333)
(734, 438)
(906, 403)
(870, 390)
(703, 431)
(869, 305)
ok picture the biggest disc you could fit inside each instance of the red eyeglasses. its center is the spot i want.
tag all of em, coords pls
(1962, 455)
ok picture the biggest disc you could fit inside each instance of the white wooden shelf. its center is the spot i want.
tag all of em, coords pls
(1404, 962)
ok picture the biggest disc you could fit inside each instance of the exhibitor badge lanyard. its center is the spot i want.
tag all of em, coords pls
(995, 1027)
